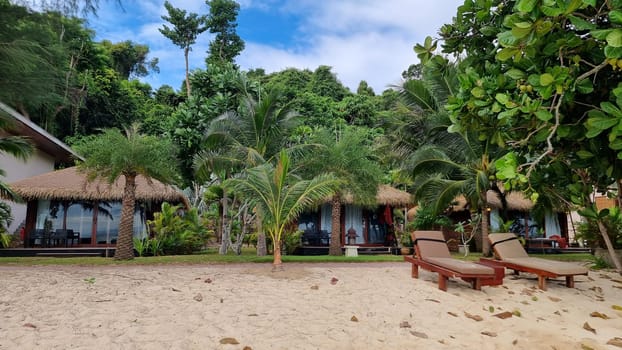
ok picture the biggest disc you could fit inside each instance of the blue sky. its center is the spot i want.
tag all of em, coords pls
(368, 40)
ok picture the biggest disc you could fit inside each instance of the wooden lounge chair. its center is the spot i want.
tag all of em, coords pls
(511, 254)
(433, 255)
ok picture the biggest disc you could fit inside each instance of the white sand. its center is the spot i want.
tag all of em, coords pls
(371, 306)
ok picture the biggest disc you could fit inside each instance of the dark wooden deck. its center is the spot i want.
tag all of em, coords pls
(323, 250)
(58, 252)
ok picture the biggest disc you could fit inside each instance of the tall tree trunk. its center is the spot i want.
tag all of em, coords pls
(612, 255)
(277, 263)
(262, 247)
(186, 50)
(225, 238)
(485, 230)
(335, 235)
(125, 242)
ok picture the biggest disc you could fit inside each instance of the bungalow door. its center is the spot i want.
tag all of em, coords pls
(354, 220)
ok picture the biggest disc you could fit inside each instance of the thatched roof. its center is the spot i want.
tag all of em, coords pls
(388, 195)
(71, 184)
(516, 200)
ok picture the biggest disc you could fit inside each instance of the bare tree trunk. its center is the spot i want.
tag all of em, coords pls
(277, 263)
(186, 50)
(226, 238)
(485, 230)
(125, 242)
(262, 247)
(335, 236)
(605, 235)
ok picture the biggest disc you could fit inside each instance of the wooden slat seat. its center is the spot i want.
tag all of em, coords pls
(433, 255)
(511, 254)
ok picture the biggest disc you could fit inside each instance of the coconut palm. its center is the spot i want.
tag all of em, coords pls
(420, 116)
(17, 146)
(349, 156)
(245, 138)
(280, 196)
(112, 154)
(461, 168)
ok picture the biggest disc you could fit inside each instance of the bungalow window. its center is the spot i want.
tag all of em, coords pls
(80, 217)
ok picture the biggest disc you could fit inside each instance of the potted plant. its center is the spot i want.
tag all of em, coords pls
(466, 235)
(406, 243)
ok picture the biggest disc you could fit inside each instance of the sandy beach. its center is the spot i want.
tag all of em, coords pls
(307, 306)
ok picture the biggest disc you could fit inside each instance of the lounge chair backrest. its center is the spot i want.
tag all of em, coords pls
(507, 246)
(430, 244)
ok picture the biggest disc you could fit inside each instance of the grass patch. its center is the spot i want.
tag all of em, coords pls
(249, 255)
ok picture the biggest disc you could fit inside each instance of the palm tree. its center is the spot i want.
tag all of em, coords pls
(349, 156)
(246, 138)
(111, 155)
(420, 116)
(460, 167)
(17, 146)
(280, 196)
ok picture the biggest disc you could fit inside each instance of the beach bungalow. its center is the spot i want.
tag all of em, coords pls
(549, 229)
(359, 226)
(64, 209)
(49, 154)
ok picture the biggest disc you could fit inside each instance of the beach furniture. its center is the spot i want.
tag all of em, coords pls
(510, 254)
(432, 254)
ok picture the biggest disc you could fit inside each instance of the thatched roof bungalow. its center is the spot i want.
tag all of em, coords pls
(373, 226)
(65, 200)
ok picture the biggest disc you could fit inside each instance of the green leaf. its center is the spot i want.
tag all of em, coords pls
(614, 39)
(546, 79)
(520, 33)
(581, 24)
(506, 53)
(515, 74)
(585, 86)
(588, 212)
(478, 92)
(601, 34)
(502, 98)
(613, 52)
(573, 6)
(590, 2)
(506, 167)
(544, 115)
(615, 16)
(611, 109)
(597, 122)
(585, 154)
(616, 144)
(508, 113)
(551, 11)
(526, 5)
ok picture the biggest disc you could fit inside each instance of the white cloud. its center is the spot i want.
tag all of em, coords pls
(361, 39)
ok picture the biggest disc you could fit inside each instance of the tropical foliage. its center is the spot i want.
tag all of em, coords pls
(113, 155)
(279, 196)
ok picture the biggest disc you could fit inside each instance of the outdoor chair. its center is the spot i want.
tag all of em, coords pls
(73, 237)
(510, 254)
(433, 255)
(38, 237)
(59, 237)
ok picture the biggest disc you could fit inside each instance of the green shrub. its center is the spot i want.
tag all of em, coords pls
(588, 230)
(176, 231)
(292, 240)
